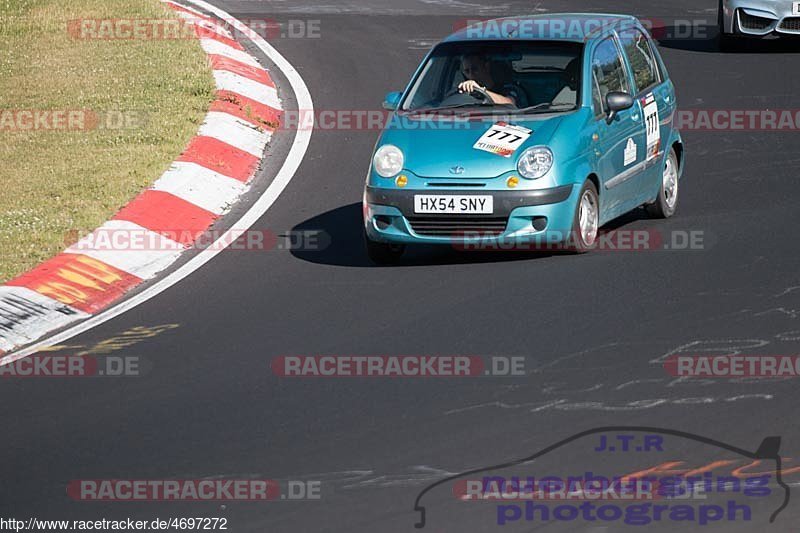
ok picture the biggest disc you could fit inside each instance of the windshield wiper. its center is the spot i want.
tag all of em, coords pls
(544, 106)
(496, 110)
(448, 107)
(538, 108)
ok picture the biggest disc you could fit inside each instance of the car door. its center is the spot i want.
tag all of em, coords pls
(656, 96)
(619, 145)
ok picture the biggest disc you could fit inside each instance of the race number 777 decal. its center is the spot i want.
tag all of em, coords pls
(652, 125)
(503, 139)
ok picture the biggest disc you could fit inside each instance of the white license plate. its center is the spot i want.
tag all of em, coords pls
(454, 204)
(796, 8)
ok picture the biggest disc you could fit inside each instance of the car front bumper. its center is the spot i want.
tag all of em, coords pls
(760, 17)
(524, 217)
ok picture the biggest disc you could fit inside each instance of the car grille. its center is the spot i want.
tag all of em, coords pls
(441, 226)
(791, 24)
(749, 22)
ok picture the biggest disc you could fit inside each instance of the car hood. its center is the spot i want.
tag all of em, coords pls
(433, 148)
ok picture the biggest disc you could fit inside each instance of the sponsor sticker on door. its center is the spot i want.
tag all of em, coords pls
(652, 125)
(630, 152)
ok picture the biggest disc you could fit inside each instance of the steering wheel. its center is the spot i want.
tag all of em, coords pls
(480, 93)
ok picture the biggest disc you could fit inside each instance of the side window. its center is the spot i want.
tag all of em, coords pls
(608, 73)
(643, 62)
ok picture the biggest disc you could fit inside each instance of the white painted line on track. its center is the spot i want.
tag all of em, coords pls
(200, 186)
(235, 132)
(256, 211)
(214, 47)
(230, 81)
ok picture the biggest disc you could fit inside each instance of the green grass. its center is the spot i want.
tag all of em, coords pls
(56, 183)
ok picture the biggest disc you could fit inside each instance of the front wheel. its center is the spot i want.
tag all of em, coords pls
(727, 42)
(586, 222)
(667, 200)
(382, 253)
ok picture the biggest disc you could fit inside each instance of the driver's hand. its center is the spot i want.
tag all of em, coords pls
(468, 86)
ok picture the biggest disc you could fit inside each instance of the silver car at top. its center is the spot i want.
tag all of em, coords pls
(758, 18)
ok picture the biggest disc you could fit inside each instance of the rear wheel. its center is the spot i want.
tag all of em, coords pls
(382, 253)
(586, 222)
(667, 200)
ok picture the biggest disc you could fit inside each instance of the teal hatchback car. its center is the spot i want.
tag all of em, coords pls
(534, 130)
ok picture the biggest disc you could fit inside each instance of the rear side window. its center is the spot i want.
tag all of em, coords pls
(640, 54)
(608, 73)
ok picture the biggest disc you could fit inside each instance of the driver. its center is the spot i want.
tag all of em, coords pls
(478, 74)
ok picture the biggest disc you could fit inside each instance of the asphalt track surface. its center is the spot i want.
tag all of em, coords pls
(590, 327)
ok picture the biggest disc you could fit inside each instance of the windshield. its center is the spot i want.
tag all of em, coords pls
(529, 76)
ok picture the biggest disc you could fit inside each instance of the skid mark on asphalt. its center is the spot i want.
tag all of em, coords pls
(118, 342)
(362, 478)
(422, 44)
(554, 387)
(788, 290)
(791, 313)
(635, 405)
(640, 391)
(473, 7)
(417, 475)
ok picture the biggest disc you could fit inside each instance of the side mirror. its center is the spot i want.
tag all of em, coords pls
(617, 101)
(392, 100)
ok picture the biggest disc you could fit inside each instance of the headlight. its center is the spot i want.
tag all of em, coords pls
(388, 160)
(535, 162)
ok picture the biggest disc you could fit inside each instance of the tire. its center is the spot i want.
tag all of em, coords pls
(382, 253)
(727, 43)
(586, 221)
(667, 200)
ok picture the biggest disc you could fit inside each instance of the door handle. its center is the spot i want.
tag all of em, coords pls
(635, 116)
(668, 98)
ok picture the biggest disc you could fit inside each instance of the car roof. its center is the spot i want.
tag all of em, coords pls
(570, 27)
